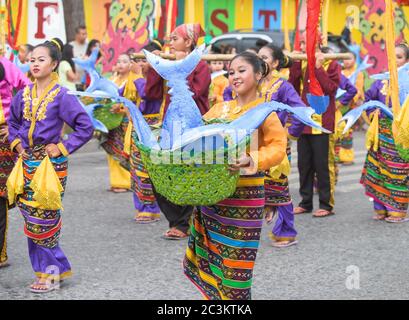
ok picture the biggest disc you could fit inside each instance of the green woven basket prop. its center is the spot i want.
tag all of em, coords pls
(190, 184)
(109, 119)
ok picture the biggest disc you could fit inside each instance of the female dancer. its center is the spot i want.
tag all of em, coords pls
(225, 237)
(118, 158)
(183, 40)
(39, 177)
(385, 175)
(278, 198)
(146, 206)
(10, 78)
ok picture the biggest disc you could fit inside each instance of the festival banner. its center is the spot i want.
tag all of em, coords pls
(45, 21)
(220, 17)
(266, 14)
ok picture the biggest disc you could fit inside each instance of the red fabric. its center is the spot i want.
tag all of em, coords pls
(172, 14)
(198, 81)
(190, 31)
(297, 45)
(328, 79)
(313, 16)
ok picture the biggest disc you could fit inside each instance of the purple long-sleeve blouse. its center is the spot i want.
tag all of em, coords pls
(378, 92)
(147, 106)
(285, 93)
(56, 108)
(351, 91)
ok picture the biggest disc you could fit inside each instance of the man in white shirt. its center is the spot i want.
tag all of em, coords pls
(80, 45)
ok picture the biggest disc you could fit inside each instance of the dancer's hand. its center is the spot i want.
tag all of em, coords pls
(52, 150)
(244, 161)
(21, 152)
(118, 108)
(320, 59)
(4, 133)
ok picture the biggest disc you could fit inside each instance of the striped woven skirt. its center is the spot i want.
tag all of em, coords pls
(224, 240)
(7, 159)
(385, 175)
(141, 185)
(43, 227)
(278, 190)
(114, 144)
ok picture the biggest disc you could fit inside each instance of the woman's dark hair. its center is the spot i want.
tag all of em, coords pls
(2, 72)
(278, 55)
(68, 55)
(258, 64)
(54, 47)
(29, 47)
(91, 46)
(405, 49)
(156, 44)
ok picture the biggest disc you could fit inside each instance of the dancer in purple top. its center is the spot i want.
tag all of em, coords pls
(38, 180)
(278, 198)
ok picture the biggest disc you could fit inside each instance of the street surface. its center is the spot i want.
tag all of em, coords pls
(345, 256)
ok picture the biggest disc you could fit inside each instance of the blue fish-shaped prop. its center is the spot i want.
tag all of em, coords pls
(98, 83)
(242, 127)
(403, 79)
(352, 116)
(182, 113)
(318, 103)
(361, 67)
(100, 89)
(24, 67)
(98, 125)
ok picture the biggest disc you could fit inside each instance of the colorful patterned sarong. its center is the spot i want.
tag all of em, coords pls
(144, 199)
(42, 226)
(7, 159)
(385, 174)
(114, 145)
(278, 195)
(224, 240)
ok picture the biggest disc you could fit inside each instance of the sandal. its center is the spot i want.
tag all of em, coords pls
(396, 219)
(321, 213)
(379, 217)
(301, 210)
(174, 234)
(40, 287)
(284, 244)
(145, 220)
(4, 264)
(118, 190)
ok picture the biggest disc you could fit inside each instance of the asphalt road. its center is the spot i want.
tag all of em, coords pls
(346, 256)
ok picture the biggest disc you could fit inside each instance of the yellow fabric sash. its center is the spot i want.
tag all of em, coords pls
(401, 126)
(15, 181)
(128, 138)
(372, 135)
(47, 186)
(2, 118)
(283, 168)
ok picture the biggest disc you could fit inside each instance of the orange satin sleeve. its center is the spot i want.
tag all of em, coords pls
(215, 112)
(272, 144)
